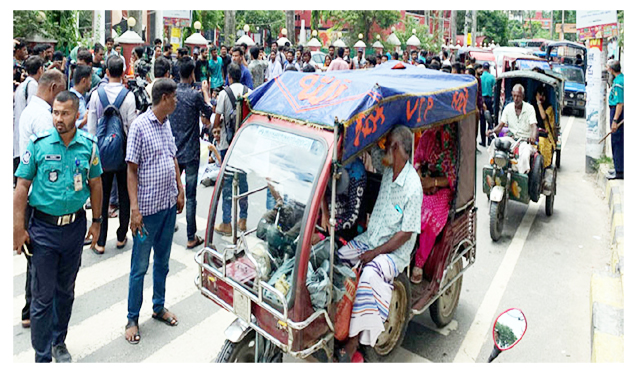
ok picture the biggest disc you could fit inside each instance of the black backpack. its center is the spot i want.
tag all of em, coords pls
(111, 139)
(229, 123)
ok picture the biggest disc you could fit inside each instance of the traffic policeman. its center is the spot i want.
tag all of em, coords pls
(617, 116)
(62, 167)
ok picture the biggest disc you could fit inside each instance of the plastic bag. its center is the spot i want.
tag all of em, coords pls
(285, 269)
(317, 283)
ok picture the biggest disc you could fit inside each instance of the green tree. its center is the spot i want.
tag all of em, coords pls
(361, 21)
(60, 25)
(427, 40)
(271, 20)
(210, 20)
(515, 30)
(495, 25)
(505, 337)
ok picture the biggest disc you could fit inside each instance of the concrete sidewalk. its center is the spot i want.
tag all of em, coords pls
(607, 300)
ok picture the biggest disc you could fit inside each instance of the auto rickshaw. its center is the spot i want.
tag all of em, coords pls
(297, 132)
(501, 180)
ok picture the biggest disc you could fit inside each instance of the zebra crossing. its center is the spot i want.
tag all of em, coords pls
(96, 328)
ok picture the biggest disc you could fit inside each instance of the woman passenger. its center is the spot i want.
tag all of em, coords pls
(435, 160)
(547, 132)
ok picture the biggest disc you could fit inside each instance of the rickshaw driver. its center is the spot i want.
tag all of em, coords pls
(520, 118)
(384, 249)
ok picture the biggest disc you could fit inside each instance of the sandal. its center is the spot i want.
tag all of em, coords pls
(162, 316)
(94, 249)
(113, 213)
(136, 336)
(198, 242)
(123, 243)
(26, 323)
(417, 275)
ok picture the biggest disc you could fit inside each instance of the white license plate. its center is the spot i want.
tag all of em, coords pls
(241, 305)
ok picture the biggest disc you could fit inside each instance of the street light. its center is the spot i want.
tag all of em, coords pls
(284, 32)
(246, 29)
(130, 22)
(197, 25)
(314, 33)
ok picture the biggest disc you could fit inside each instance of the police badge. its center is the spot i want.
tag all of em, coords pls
(53, 175)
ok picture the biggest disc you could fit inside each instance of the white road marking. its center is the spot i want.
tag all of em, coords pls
(182, 349)
(84, 338)
(480, 328)
(565, 133)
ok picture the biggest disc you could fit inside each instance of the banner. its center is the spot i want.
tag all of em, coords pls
(589, 18)
(176, 38)
(595, 106)
(597, 32)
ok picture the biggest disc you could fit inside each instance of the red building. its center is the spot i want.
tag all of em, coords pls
(546, 23)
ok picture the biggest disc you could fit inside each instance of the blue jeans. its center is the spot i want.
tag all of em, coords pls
(618, 142)
(57, 253)
(160, 237)
(191, 168)
(227, 194)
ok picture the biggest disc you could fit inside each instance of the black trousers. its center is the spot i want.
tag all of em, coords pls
(618, 142)
(26, 314)
(125, 205)
(57, 253)
(484, 126)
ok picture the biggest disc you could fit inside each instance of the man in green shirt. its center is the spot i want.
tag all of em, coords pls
(616, 116)
(62, 167)
(487, 88)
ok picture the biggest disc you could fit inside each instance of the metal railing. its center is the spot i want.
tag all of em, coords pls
(259, 300)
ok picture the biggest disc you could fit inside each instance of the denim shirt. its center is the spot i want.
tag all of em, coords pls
(185, 122)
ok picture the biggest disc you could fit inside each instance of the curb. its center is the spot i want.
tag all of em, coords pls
(607, 300)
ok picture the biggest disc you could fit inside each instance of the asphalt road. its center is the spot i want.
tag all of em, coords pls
(541, 264)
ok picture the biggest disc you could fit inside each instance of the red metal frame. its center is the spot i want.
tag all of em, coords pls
(523, 334)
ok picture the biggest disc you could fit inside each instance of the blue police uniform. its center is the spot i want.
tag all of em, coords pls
(617, 96)
(57, 228)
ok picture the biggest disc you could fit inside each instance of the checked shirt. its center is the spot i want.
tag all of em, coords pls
(151, 146)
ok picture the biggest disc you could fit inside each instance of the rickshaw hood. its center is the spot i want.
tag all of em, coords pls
(368, 102)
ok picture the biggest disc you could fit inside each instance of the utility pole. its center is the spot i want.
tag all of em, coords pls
(453, 27)
(562, 26)
(465, 26)
(441, 30)
(474, 18)
(552, 26)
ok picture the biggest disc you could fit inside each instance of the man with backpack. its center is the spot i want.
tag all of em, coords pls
(111, 112)
(184, 120)
(226, 105)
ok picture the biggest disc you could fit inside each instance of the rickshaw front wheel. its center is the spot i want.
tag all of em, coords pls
(396, 324)
(244, 351)
(557, 159)
(442, 310)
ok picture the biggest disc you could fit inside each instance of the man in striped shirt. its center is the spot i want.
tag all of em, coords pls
(156, 196)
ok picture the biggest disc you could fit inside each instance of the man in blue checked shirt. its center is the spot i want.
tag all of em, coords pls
(156, 195)
(62, 167)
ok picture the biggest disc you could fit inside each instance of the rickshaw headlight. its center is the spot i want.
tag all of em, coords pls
(581, 96)
(571, 95)
(500, 159)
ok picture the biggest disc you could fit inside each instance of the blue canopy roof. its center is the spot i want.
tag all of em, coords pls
(368, 102)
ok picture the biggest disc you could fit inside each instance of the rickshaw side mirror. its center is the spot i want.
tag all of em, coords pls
(509, 329)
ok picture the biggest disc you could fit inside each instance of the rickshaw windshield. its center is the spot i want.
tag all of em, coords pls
(274, 172)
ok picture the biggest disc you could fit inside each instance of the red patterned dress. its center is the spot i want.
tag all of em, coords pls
(436, 155)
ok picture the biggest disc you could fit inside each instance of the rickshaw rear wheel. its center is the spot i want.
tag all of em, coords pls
(536, 178)
(497, 218)
(549, 200)
(244, 351)
(396, 324)
(444, 307)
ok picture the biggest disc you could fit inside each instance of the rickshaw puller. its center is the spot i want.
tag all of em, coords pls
(520, 118)
(385, 248)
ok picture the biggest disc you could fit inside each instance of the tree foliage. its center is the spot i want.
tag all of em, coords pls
(60, 25)
(427, 40)
(361, 21)
(494, 25)
(505, 337)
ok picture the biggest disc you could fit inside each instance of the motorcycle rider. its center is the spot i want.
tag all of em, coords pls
(520, 119)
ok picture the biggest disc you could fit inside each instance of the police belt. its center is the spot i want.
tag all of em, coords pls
(58, 220)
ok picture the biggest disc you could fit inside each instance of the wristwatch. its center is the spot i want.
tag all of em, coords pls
(96, 220)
